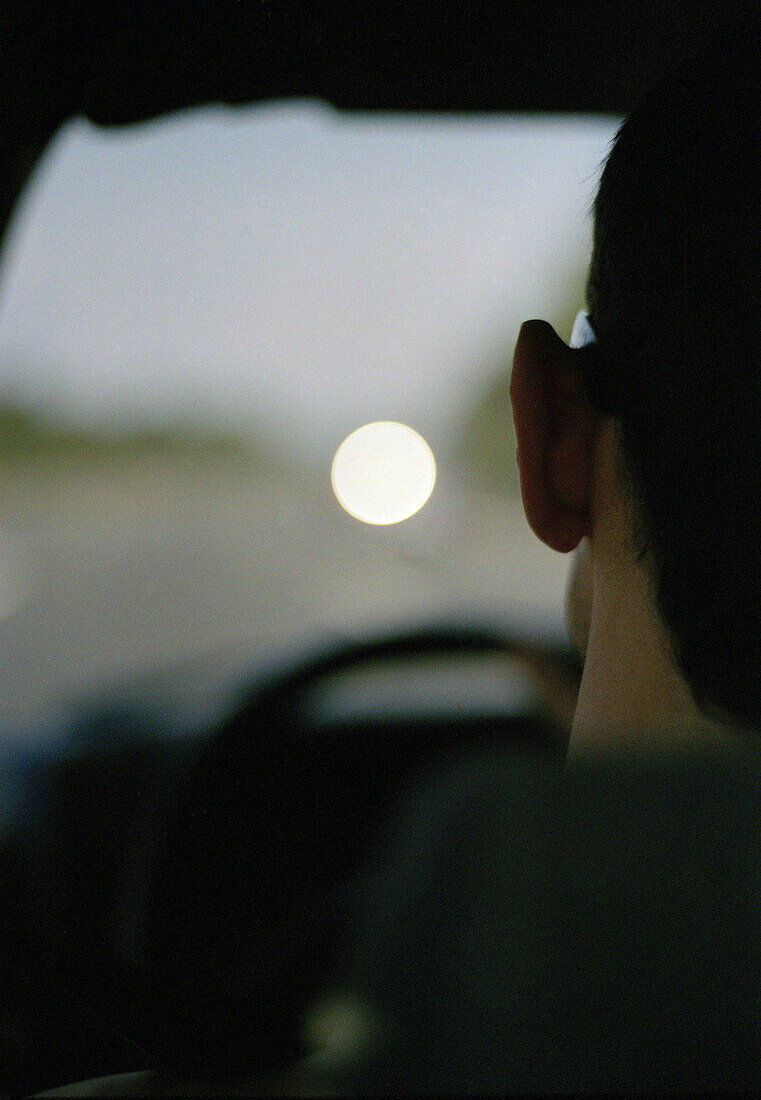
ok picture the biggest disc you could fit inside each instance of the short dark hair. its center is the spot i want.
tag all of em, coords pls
(674, 295)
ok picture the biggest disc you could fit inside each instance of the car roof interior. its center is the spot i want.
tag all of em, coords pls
(117, 64)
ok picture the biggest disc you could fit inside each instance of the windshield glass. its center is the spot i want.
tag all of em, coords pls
(196, 312)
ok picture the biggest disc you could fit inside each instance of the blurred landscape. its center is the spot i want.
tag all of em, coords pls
(195, 312)
(121, 555)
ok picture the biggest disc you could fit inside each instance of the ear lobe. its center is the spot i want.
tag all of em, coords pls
(555, 427)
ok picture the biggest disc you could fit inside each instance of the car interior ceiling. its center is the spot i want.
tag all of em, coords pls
(120, 958)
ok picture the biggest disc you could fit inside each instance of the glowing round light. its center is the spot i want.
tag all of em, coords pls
(383, 472)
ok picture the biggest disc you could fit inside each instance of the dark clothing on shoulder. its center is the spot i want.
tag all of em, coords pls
(537, 927)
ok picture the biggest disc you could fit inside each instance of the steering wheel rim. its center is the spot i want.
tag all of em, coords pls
(294, 675)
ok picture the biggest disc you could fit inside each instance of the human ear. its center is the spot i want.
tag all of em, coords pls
(555, 427)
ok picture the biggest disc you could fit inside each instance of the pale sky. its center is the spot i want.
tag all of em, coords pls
(290, 265)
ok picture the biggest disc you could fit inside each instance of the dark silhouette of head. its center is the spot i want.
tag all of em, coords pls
(675, 300)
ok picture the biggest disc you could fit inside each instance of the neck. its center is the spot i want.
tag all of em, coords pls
(631, 695)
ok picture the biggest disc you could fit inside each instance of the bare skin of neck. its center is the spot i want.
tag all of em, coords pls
(632, 696)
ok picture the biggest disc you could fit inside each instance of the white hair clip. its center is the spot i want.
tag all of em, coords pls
(583, 333)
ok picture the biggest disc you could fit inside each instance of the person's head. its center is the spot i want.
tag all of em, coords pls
(660, 419)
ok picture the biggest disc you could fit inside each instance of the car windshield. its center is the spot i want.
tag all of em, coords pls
(196, 312)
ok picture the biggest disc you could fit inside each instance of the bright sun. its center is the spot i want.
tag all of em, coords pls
(383, 472)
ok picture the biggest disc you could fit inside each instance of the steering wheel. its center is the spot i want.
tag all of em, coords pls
(259, 871)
